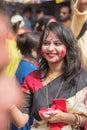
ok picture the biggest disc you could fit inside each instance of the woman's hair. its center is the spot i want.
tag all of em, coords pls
(72, 60)
(28, 41)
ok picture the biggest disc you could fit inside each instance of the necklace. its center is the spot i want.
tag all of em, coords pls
(52, 76)
(58, 92)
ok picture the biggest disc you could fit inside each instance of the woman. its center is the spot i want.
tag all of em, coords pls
(56, 93)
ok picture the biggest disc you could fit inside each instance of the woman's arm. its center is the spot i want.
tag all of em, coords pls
(82, 5)
(75, 119)
(67, 118)
(17, 117)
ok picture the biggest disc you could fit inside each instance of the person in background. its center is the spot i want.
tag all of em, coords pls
(4, 34)
(65, 15)
(56, 93)
(17, 23)
(9, 91)
(27, 14)
(78, 20)
(43, 21)
(39, 14)
(27, 43)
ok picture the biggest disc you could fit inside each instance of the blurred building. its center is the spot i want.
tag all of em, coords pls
(27, 1)
(35, 1)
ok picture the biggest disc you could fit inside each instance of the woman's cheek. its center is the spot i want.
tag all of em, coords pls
(63, 53)
(42, 53)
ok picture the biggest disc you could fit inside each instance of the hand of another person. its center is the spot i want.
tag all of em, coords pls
(10, 93)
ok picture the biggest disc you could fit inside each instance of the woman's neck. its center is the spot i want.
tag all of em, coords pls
(55, 70)
(56, 67)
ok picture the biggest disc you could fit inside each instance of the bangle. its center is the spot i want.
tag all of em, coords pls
(81, 122)
(85, 126)
(77, 120)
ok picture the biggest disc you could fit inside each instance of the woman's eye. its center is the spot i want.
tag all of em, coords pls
(58, 43)
(46, 43)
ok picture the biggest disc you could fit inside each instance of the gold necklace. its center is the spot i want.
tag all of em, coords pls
(52, 76)
(58, 92)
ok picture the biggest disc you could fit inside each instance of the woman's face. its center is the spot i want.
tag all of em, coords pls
(53, 50)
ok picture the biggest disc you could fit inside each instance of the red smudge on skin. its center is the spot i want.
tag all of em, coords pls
(42, 53)
(63, 53)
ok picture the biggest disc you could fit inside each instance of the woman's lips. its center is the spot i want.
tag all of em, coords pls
(51, 54)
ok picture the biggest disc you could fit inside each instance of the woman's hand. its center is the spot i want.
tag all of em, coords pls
(57, 116)
(54, 116)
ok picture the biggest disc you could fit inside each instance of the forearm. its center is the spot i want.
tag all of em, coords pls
(17, 117)
(74, 120)
(82, 5)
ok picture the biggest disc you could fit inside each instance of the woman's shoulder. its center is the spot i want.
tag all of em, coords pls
(82, 79)
(34, 75)
(33, 81)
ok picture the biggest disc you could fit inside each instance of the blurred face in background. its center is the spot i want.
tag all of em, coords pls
(64, 13)
(40, 15)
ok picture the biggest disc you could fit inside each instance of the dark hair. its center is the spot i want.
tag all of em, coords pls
(28, 41)
(43, 22)
(72, 60)
(27, 9)
(16, 26)
(38, 11)
(68, 7)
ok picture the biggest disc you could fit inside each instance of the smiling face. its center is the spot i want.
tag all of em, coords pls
(53, 50)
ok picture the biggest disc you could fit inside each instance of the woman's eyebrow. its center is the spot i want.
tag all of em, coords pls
(58, 40)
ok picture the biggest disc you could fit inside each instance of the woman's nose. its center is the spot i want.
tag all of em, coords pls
(51, 47)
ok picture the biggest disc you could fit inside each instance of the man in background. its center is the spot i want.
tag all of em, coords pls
(65, 15)
(27, 14)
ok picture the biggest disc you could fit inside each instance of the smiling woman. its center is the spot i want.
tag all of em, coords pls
(53, 49)
(55, 101)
